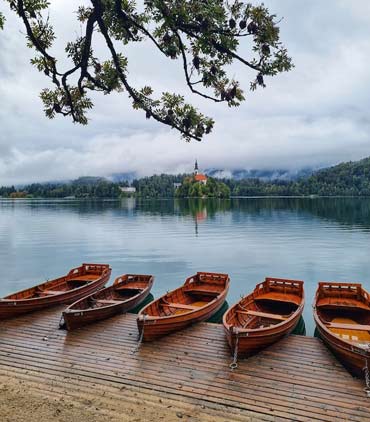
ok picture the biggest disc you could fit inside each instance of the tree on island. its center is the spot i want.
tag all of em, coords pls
(190, 188)
(203, 34)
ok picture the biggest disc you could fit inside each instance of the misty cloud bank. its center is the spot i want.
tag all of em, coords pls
(314, 116)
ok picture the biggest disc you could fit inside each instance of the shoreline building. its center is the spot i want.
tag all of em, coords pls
(199, 177)
(128, 189)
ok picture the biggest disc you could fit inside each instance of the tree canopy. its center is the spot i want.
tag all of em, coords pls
(190, 188)
(204, 35)
(345, 179)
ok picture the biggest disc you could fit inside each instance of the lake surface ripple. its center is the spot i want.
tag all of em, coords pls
(312, 239)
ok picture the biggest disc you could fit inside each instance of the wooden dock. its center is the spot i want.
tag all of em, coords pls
(295, 380)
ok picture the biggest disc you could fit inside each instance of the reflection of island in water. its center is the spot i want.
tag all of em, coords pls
(200, 216)
(197, 208)
(201, 209)
(349, 212)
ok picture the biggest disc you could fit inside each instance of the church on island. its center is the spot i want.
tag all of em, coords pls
(199, 177)
(198, 185)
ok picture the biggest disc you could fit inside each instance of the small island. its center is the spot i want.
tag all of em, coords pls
(198, 185)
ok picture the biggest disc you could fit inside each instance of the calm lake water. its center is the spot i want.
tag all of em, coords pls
(309, 239)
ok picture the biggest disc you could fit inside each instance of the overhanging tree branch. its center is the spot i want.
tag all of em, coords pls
(204, 35)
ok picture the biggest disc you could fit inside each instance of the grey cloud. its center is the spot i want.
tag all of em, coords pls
(314, 116)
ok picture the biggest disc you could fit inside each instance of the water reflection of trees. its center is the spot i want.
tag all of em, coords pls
(194, 207)
(202, 207)
(346, 211)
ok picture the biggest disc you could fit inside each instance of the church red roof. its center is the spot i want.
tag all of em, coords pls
(199, 177)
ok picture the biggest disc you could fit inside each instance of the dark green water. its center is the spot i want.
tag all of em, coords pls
(309, 239)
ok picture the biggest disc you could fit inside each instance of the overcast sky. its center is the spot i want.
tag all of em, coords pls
(314, 116)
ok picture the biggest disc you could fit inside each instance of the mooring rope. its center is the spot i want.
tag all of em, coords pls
(141, 336)
(367, 378)
(234, 364)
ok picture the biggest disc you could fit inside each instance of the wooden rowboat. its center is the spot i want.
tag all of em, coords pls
(265, 316)
(342, 317)
(127, 291)
(79, 282)
(201, 296)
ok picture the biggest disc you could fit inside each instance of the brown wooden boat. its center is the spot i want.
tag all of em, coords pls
(342, 317)
(201, 296)
(265, 316)
(127, 291)
(79, 282)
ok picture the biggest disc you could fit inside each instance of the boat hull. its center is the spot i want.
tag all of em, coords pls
(200, 297)
(74, 319)
(353, 360)
(250, 343)
(265, 316)
(156, 327)
(10, 308)
(342, 318)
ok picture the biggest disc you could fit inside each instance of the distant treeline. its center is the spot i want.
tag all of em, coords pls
(85, 187)
(346, 179)
(159, 186)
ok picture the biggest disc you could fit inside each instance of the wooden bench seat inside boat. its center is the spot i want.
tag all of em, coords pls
(262, 315)
(180, 306)
(279, 297)
(206, 290)
(203, 292)
(341, 302)
(107, 301)
(85, 277)
(128, 289)
(356, 327)
(51, 292)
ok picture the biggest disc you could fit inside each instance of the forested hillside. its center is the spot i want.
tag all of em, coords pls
(346, 179)
(158, 186)
(351, 178)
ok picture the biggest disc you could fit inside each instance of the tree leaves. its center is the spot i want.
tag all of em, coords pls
(203, 35)
(2, 21)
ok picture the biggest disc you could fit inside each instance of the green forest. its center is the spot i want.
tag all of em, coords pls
(213, 189)
(84, 187)
(345, 179)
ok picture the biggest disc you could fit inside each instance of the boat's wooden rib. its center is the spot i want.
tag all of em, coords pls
(342, 317)
(265, 316)
(79, 282)
(127, 291)
(201, 296)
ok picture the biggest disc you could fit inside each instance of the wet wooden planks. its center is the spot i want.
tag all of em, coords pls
(296, 379)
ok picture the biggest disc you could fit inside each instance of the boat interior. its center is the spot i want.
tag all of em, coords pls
(198, 291)
(344, 308)
(124, 287)
(76, 278)
(271, 303)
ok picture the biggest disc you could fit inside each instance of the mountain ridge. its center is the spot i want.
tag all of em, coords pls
(350, 178)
